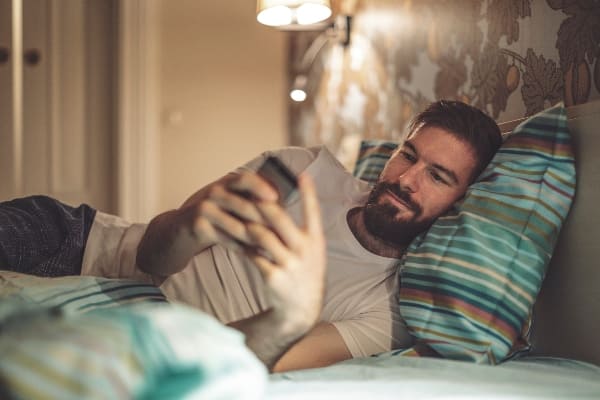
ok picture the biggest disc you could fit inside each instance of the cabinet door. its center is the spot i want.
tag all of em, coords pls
(36, 82)
(65, 146)
(8, 184)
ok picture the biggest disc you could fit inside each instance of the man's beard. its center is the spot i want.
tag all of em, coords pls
(389, 223)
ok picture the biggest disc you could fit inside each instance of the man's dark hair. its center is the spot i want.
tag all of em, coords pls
(467, 123)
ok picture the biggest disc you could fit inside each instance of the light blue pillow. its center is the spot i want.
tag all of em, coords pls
(82, 344)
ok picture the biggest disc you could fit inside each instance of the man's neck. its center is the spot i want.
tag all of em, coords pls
(370, 242)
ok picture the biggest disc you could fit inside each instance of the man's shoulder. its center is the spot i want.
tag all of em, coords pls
(299, 159)
(296, 158)
(296, 155)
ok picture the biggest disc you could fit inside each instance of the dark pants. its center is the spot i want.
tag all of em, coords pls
(42, 236)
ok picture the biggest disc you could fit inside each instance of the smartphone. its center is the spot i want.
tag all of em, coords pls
(277, 174)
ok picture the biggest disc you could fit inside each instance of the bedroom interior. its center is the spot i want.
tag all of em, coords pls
(131, 105)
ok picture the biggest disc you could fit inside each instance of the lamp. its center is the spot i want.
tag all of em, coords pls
(337, 32)
(292, 12)
(305, 15)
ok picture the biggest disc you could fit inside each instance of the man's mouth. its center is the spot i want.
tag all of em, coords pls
(397, 199)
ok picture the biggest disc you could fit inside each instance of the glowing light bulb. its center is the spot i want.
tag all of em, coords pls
(298, 95)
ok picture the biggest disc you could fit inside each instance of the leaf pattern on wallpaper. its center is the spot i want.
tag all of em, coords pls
(456, 20)
(542, 81)
(503, 18)
(597, 74)
(450, 78)
(560, 4)
(418, 100)
(400, 40)
(474, 50)
(484, 79)
(503, 87)
(579, 34)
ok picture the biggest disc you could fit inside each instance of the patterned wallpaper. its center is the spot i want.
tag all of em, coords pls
(511, 58)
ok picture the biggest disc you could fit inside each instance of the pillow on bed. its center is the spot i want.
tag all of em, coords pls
(81, 343)
(468, 284)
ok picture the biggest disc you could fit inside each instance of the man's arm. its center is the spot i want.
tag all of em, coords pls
(269, 336)
(290, 258)
(321, 346)
(174, 237)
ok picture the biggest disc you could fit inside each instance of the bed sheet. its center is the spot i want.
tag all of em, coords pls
(397, 377)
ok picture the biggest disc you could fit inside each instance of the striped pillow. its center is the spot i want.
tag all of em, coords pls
(468, 285)
(372, 156)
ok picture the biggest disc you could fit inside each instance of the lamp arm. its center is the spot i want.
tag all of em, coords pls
(313, 50)
(338, 31)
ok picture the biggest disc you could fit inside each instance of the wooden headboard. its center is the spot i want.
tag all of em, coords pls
(567, 312)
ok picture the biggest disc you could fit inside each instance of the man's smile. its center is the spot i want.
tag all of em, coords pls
(398, 200)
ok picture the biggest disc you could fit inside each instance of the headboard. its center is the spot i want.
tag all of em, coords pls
(567, 312)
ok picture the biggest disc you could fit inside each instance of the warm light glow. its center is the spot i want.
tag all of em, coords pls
(298, 95)
(311, 13)
(289, 12)
(275, 16)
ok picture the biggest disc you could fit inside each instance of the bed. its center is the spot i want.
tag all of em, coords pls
(121, 339)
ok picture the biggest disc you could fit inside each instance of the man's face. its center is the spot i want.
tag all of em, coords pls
(421, 181)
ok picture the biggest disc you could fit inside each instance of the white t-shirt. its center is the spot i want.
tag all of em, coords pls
(361, 287)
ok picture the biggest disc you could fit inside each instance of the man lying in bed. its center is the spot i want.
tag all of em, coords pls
(311, 282)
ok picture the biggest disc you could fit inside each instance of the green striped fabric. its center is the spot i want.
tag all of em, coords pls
(84, 337)
(76, 293)
(468, 285)
(372, 156)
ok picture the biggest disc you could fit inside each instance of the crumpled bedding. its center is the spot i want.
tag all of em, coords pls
(95, 338)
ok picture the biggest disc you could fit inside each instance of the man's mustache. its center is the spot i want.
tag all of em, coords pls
(401, 194)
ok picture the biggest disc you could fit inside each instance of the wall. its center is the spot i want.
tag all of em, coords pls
(511, 58)
(223, 92)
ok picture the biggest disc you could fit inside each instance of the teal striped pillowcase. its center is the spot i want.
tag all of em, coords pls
(372, 156)
(468, 285)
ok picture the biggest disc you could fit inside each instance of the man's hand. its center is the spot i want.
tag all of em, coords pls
(295, 267)
(292, 262)
(223, 215)
(217, 213)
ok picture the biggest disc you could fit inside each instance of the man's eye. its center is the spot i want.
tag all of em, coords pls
(408, 156)
(437, 177)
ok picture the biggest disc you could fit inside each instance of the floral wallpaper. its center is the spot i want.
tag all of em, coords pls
(511, 58)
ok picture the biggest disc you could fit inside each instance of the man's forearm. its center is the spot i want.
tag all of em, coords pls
(169, 243)
(270, 334)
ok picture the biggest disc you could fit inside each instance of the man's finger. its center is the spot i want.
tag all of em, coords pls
(312, 211)
(265, 266)
(254, 185)
(282, 224)
(267, 240)
(235, 204)
(225, 222)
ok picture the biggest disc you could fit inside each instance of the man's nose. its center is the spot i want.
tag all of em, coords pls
(410, 179)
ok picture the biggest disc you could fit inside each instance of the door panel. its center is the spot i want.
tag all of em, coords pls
(7, 130)
(68, 92)
(36, 154)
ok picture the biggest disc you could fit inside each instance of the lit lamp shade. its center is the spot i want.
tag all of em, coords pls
(289, 12)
